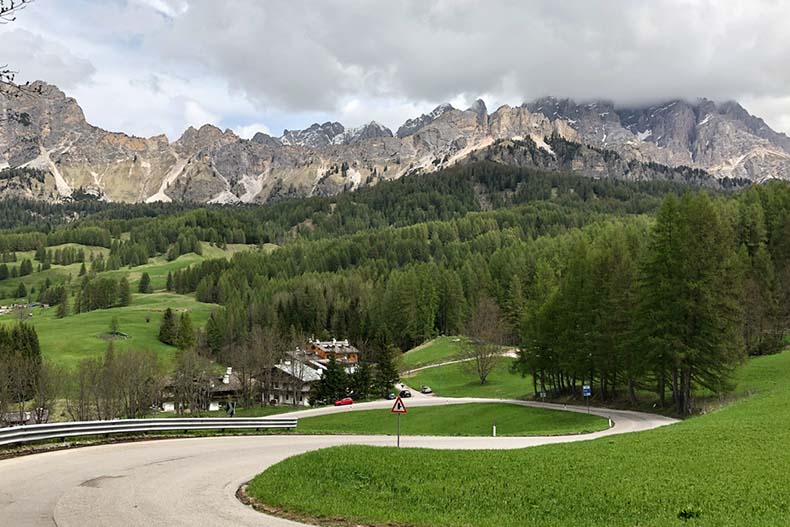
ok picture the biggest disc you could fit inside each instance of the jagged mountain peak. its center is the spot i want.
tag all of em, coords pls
(478, 107)
(265, 139)
(369, 130)
(411, 126)
(315, 136)
(48, 130)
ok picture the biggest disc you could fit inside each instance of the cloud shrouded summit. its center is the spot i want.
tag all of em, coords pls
(161, 65)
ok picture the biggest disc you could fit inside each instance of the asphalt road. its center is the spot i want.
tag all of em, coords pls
(193, 482)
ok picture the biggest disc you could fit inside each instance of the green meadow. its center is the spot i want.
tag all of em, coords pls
(66, 341)
(456, 380)
(725, 468)
(440, 349)
(456, 420)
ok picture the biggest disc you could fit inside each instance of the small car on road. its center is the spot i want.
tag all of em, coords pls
(405, 393)
(426, 389)
(344, 401)
(390, 396)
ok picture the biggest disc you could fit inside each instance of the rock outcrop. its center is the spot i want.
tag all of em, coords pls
(44, 129)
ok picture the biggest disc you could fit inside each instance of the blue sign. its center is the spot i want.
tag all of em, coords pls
(586, 391)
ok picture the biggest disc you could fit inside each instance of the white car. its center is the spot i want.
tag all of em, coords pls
(426, 389)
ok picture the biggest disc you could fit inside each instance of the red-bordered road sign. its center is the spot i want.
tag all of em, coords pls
(398, 407)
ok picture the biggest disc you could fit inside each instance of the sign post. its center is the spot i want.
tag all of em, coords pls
(587, 392)
(398, 408)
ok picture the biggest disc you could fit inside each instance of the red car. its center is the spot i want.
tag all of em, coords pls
(343, 402)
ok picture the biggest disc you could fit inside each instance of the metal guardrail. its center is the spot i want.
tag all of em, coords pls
(30, 433)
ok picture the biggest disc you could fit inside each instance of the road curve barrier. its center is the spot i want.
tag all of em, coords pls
(31, 433)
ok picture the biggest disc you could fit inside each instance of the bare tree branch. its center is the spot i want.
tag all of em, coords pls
(9, 9)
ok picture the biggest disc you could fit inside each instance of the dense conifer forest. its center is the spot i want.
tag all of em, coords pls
(634, 287)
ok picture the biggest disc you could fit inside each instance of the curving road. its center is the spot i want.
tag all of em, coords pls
(188, 482)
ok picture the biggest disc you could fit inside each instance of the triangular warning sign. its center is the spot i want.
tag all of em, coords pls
(398, 407)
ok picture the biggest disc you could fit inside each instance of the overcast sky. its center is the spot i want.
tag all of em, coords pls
(157, 66)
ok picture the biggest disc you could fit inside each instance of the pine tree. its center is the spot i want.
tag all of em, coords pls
(386, 374)
(170, 284)
(168, 329)
(83, 270)
(21, 291)
(115, 325)
(186, 333)
(145, 284)
(692, 288)
(215, 335)
(333, 384)
(124, 292)
(361, 379)
(63, 304)
(25, 268)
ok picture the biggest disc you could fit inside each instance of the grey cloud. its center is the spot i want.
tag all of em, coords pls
(35, 57)
(309, 55)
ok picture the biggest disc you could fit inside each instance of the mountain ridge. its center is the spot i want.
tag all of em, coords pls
(48, 131)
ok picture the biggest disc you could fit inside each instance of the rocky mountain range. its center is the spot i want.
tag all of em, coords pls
(699, 141)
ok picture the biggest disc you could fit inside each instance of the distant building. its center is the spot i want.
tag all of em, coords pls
(23, 418)
(293, 379)
(343, 351)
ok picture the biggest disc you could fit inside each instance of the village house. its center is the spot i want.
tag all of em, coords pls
(344, 352)
(293, 379)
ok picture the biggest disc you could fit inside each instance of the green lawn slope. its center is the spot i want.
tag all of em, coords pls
(456, 420)
(456, 380)
(440, 349)
(726, 468)
(67, 340)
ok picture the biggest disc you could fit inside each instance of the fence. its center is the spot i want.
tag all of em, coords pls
(30, 433)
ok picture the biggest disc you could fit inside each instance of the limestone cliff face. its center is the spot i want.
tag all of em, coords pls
(43, 128)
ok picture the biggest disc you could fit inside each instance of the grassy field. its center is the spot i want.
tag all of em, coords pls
(68, 340)
(456, 420)
(454, 380)
(438, 350)
(56, 274)
(157, 268)
(726, 468)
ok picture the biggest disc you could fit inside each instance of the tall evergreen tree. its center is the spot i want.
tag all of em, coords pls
(386, 374)
(333, 385)
(186, 333)
(145, 284)
(124, 292)
(168, 329)
(63, 304)
(691, 291)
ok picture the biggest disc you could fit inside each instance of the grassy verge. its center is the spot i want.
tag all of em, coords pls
(726, 468)
(438, 350)
(455, 380)
(456, 420)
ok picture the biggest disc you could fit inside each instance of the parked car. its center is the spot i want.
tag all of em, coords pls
(426, 389)
(390, 396)
(405, 393)
(344, 401)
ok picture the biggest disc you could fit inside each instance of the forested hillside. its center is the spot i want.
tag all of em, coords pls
(639, 288)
